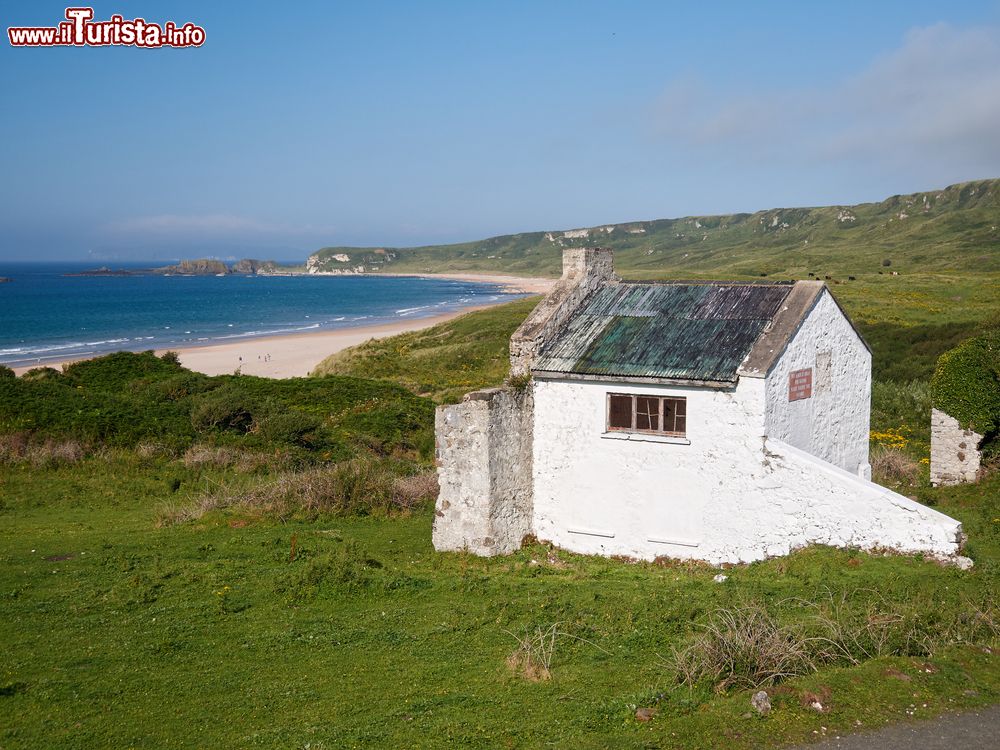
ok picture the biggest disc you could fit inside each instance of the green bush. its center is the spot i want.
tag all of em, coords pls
(966, 383)
(118, 369)
(42, 373)
(6, 372)
(226, 409)
(125, 399)
(291, 427)
(180, 386)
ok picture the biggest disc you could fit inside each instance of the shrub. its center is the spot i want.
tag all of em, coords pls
(41, 373)
(886, 263)
(224, 409)
(177, 387)
(6, 372)
(115, 371)
(293, 427)
(966, 383)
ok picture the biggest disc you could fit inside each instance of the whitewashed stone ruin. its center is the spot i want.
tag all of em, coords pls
(718, 421)
(955, 456)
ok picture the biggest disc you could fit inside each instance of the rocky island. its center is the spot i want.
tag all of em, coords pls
(199, 267)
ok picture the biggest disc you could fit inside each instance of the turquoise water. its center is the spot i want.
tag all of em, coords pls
(46, 316)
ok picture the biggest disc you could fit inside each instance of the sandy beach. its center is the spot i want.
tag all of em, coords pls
(295, 355)
(511, 284)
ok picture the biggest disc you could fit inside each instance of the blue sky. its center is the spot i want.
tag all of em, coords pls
(299, 125)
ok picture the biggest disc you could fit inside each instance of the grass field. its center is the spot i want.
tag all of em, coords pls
(189, 561)
(337, 632)
(136, 613)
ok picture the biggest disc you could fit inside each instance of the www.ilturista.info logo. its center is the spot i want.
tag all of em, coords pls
(80, 30)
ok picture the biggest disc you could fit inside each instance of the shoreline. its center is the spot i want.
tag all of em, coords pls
(297, 354)
(509, 284)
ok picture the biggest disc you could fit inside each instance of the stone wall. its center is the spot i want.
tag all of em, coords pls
(585, 269)
(484, 457)
(955, 456)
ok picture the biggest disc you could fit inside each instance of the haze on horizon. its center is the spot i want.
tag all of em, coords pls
(408, 124)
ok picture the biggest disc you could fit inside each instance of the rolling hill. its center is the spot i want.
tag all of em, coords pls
(954, 229)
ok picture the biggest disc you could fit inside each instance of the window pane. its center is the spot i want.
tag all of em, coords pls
(674, 415)
(647, 413)
(620, 412)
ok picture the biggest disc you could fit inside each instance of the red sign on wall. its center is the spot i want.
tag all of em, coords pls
(800, 384)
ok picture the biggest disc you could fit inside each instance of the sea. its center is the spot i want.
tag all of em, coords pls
(49, 316)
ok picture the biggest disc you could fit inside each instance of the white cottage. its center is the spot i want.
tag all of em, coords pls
(717, 421)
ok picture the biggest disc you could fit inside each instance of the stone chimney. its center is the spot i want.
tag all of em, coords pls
(585, 269)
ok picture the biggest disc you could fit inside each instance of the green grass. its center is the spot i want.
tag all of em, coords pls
(955, 230)
(125, 398)
(443, 362)
(946, 258)
(341, 627)
(117, 633)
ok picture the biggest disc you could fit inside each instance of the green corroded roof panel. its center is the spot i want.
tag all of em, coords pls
(681, 331)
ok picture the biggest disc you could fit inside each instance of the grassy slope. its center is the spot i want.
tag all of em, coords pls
(958, 231)
(443, 362)
(469, 352)
(120, 634)
(947, 259)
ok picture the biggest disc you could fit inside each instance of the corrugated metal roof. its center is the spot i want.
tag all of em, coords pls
(678, 331)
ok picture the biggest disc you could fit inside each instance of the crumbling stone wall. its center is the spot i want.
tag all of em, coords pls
(955, 456)
(484, 457)
(585, 269)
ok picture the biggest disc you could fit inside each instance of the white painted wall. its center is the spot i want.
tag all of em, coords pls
(834, 423)
(632, 491)
(727, 495)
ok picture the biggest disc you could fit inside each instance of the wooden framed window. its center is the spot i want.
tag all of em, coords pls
(657, 415)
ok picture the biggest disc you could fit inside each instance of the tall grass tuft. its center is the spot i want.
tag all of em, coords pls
(18, 447)
(747, 646)
(360, 486)
(743, 647)
(893, 466)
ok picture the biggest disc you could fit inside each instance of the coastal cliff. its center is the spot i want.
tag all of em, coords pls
(201, 267)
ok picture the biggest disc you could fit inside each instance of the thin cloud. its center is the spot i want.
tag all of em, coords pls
(935, 100)
(206, 225)
(179, 224)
